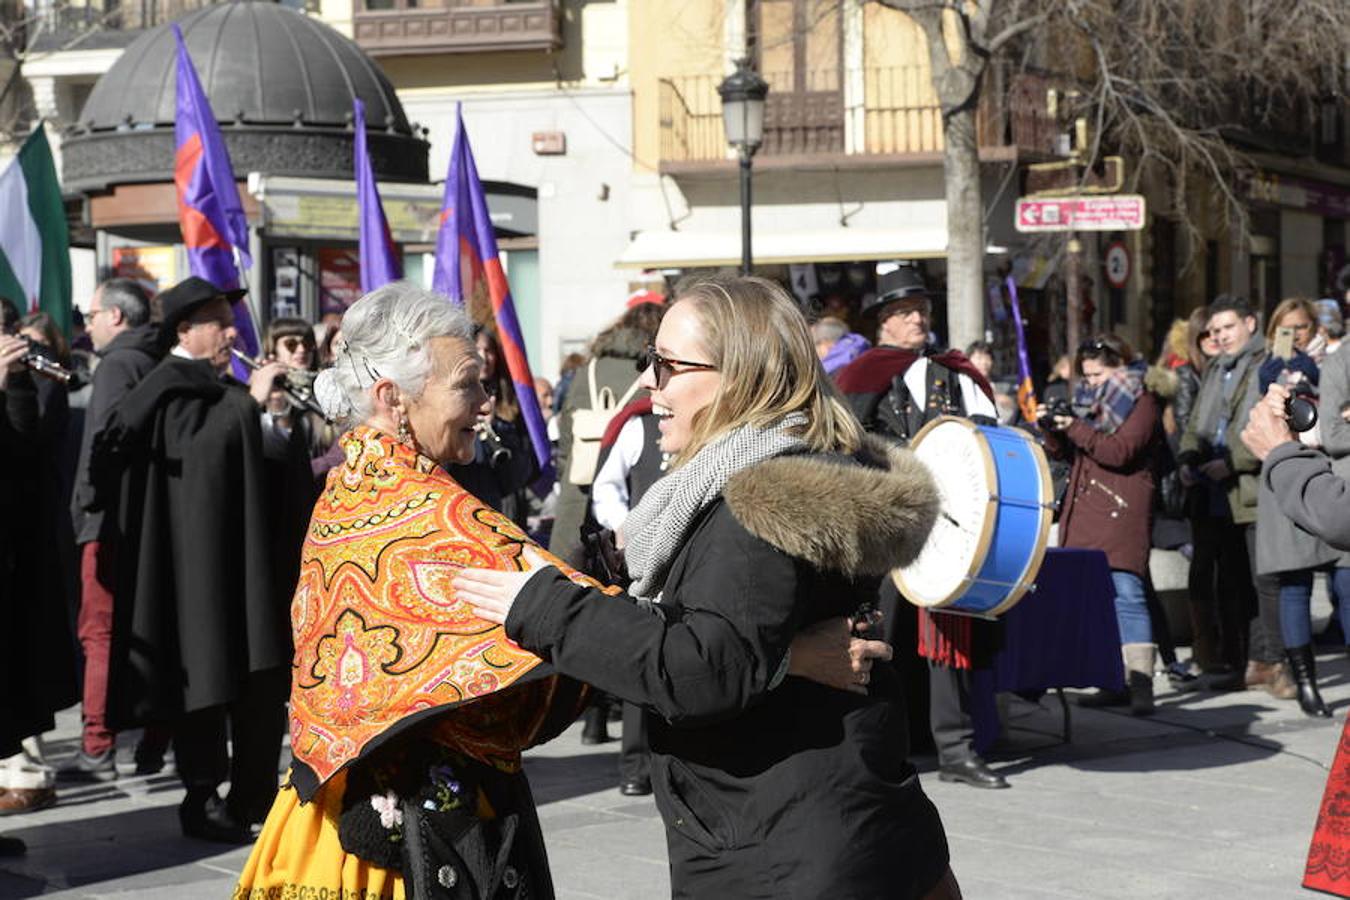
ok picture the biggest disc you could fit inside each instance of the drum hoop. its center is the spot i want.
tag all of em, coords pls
(1033, 566)
(986, 534)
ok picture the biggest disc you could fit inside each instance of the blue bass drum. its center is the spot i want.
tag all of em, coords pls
(986, 548)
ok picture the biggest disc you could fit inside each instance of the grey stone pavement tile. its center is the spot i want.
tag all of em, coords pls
(1213, 797)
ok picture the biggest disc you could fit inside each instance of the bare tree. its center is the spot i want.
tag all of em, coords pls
(1176, 86)
(28, 33)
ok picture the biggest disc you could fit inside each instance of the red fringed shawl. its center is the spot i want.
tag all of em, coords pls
(1329, 854)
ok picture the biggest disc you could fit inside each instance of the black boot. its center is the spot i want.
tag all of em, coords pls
(1304, 669)
(593, 727)
(1141, 694)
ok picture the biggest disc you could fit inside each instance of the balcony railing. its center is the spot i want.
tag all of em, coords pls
(898, 116)
(393, 27)
(99, 23)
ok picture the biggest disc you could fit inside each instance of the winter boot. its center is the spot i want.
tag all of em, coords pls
(594, 721)
(1139, 659)
(1305, 677)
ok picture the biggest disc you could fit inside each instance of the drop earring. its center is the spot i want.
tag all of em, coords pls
(404, 433)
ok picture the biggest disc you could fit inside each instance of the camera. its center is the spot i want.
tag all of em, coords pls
(1300, 409)
(1054, 410)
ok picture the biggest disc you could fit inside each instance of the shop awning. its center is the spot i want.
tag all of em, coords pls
(691, 249)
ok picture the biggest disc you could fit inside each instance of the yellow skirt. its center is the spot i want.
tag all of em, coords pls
(299, 854)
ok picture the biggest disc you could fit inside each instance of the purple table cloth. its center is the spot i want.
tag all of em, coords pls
(1063, 634)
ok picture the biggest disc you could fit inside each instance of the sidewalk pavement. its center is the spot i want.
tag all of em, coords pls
(1213, 797)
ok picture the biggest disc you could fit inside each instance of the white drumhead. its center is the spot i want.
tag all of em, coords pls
(959, 458)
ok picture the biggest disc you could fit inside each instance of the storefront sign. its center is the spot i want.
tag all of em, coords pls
(325, 209)
(1299, 193)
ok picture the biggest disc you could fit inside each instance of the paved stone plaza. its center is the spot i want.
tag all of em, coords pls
(1214, 797)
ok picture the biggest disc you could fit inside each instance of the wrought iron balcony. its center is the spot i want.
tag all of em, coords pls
(400, 27)
(894, 115)
(99, 23)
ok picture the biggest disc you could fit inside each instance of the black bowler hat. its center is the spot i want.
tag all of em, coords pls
(178, 302)
(898, 284)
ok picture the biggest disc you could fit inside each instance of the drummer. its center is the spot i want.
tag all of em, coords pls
(895, 389)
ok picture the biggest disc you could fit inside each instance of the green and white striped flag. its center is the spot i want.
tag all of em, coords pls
(34, 242)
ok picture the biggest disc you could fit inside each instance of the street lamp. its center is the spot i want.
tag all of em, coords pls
(743, 93)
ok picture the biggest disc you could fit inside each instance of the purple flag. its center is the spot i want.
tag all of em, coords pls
(380, 263)
(467, 263)
(209, 212)
(1026, 392)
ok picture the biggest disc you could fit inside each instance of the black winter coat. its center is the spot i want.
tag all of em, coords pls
(767, 791)
(209, 537)
(37, 669)
(123, 363)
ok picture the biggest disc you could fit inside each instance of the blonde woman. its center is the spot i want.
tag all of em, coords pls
(777, 514)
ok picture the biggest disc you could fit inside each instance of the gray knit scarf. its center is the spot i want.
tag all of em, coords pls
(656, 528)
(1214, 401)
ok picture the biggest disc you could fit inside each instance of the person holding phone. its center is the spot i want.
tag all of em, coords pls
(1283, 549)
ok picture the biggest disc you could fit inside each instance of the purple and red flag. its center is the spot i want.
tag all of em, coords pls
(380, 263)
(467, 262)
(1026, 392)
(210, 214)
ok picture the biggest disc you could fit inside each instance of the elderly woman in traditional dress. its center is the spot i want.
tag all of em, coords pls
(777, 514)
(409, 712)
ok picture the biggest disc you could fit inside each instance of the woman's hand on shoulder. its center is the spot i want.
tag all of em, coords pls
(491, 592)
(829, 653)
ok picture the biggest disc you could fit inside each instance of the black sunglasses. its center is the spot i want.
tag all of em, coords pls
(664, 367)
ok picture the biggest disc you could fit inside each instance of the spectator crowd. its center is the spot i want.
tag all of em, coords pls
(159, 494)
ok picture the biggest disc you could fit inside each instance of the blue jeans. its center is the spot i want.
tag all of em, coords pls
(1296, 598)
(1131, 608)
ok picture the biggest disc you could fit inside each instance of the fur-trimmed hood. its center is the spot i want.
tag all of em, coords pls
(837, 514)
(1163, 382)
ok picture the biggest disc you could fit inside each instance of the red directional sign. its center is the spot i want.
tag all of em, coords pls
(1100, 212)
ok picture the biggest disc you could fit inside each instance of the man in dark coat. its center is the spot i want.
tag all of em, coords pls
(209, 547)
(895, 389)
(128, 347)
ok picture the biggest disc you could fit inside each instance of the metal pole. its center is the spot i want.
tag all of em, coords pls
(1073, 287)
(747, 259)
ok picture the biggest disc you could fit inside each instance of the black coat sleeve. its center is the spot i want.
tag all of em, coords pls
(20, 415)
(712, 652)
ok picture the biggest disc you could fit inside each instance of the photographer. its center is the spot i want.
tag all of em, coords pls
(1283, 549)
(1112, 440)
(1318, 500)
(1300, 479)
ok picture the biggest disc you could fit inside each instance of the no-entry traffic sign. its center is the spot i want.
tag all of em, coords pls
(1100, 212)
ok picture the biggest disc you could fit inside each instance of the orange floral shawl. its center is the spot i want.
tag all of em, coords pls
(381, 641)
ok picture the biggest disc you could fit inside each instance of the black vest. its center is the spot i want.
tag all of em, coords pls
(902, 417)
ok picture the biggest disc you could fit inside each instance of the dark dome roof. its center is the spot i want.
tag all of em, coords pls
(259, 62)
(265, 68)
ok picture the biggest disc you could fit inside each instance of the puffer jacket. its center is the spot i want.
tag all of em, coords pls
(788, 791)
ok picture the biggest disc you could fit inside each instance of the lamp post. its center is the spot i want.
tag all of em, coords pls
(743, 93)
